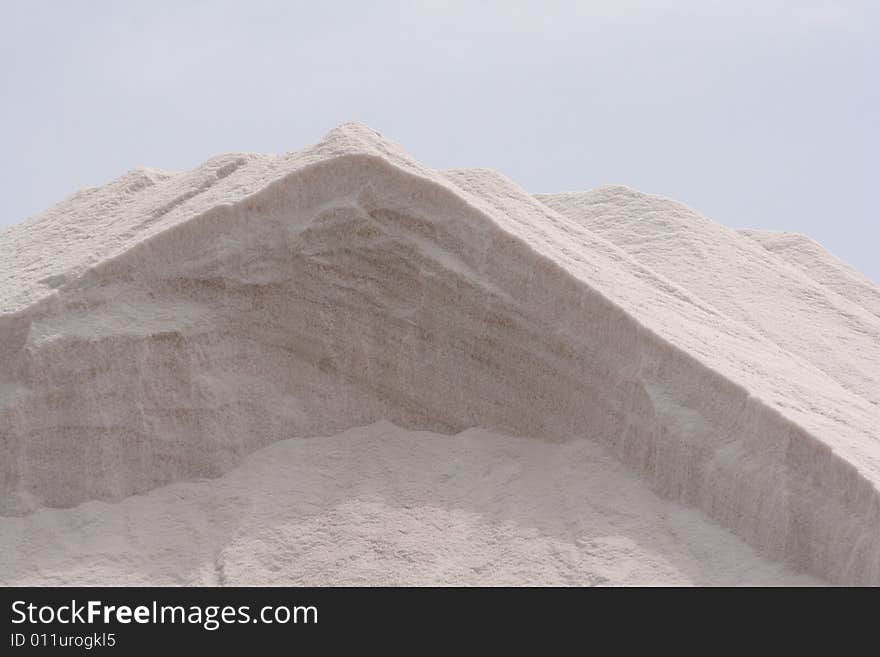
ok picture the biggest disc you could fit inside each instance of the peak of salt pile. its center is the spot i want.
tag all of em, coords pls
(165, 327)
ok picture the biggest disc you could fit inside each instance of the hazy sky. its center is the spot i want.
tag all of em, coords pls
(758, 113)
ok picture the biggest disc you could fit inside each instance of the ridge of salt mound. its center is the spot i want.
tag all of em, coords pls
(101, 223)
(308, 293)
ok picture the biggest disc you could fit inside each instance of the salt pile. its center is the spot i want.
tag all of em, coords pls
(644, 395)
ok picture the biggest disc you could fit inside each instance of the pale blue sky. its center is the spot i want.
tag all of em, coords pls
(758, 113)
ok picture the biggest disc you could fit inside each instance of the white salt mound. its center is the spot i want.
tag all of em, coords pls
(661, 399)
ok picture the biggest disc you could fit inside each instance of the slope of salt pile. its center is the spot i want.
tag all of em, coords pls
(381, 505)
(821, 266)
(309, 293)
(739, 278)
